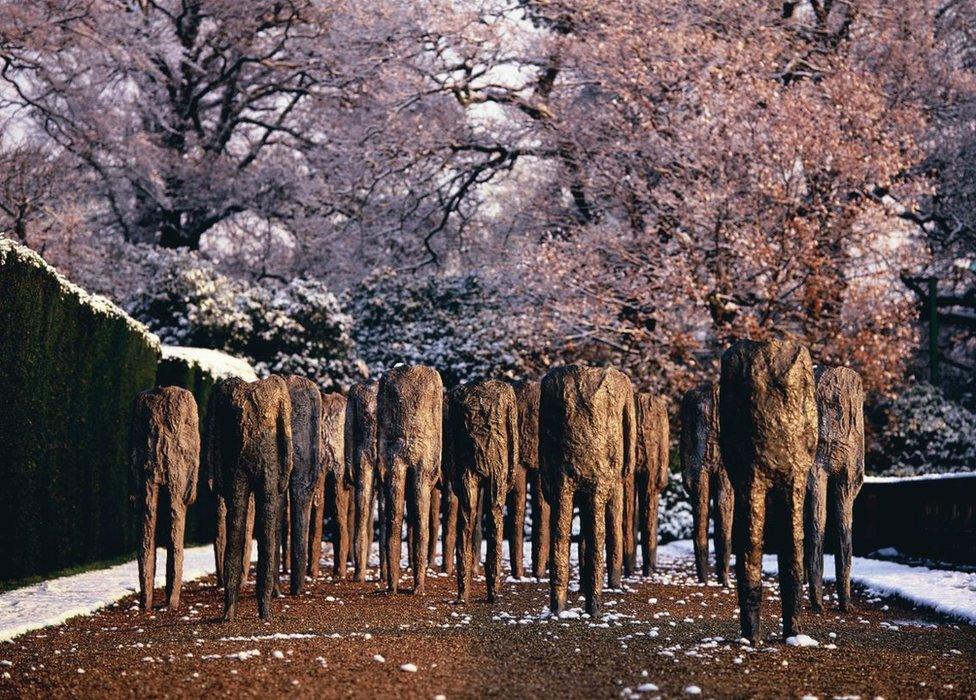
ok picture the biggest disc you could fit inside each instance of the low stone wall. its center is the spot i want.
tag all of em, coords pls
(70, 366)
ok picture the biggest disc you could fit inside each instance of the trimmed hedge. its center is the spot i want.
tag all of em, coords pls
(70, 366)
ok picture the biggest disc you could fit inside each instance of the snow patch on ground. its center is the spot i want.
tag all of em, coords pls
(52, 602)
(802, 640)
(951, 593)
(219, 364)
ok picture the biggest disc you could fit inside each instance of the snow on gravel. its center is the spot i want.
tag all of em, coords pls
(52, 602)
(951, 593)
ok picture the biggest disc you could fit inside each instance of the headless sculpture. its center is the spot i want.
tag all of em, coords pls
(650, 473)
(483, 456)
(409, 412)
(587, 434)
(705, 478)
(219, 425)
(262, 461)
(837, 475)
(165, 459)
(768, 415)
(360, 439)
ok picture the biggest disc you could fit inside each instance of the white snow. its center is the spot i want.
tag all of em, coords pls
(219, 364)
(802, 640)
(951, 593)
(919, 477)
(409, 668)
(52, 602)
(647, 688)
(692, 690)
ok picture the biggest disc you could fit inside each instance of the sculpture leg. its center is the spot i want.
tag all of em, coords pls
(147, 544)
(364, 524)
(316, 526)
(641, 486)
(220, 539)
(418, 508)
(561, 524)
(700, 497)
(467, 508)
(449, 529)
(750, 517)
(630, 525)
(516, 524)
(267, 503)
(381, 525)
(495, 534)
(724, 503)
(174, 552)
(540, 527)
(653, 505)
(479, 524)
(350, 525)
(434, 526)
(281, 556)
(238, 504)
(790, 559)
(301, 512)
(594, 512)
(843, 518)
(613, 535)
(815, 518)
(393, 496)
(246, 547)
(340, 549)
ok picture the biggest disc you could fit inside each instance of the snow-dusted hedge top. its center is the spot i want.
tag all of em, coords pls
(96, 303)
(217, 363)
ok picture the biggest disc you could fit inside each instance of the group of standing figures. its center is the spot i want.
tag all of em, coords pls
(581, 439)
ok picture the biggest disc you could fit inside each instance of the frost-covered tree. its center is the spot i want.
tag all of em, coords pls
(922, 432)
(293, 328)
(461, 325)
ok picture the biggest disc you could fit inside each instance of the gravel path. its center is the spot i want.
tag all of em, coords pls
(664, 636)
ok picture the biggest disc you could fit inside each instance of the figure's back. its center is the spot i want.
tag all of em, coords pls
(409, 411)
(481, 415)
(361, 414)
(260, 407)
(840, 405)
(333, 432)
(581, 419)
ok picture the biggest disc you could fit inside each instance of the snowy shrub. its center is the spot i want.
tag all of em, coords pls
(922, 432)
(459, 324)
(294, 328)
(674, 521)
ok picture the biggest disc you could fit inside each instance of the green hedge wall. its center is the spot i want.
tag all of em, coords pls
(176, 371)
(70, 366)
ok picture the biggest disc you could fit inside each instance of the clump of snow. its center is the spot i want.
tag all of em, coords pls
(217, 363)
(647, 688)
(409, 668)
(802, 640)
(9, 250)
(692, 690)
(379, 658)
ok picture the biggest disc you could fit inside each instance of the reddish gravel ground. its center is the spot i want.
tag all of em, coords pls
(658, 637)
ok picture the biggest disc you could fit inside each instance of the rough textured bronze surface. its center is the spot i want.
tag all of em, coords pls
(306, 440)
(527, 403)
(836, 478)
(768, 414)
(362, 466)
(483, 450)
(650, 472)
(449, 505)
(165, 457)
(217, 440)
(587, 435)
(409, 409)
(705, 478)
(261, 455)
(337, 475)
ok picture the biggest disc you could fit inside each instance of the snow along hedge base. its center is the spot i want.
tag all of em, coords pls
(70, 366)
